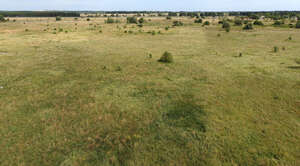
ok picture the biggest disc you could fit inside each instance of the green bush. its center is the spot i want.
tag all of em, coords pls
(177, 23)
(167, 28)
(206, 23)
(257, 22)
(275, 49)
(168, 17)
(58, 18)
(238, 22)
(88, 19)
(249, 26)
(226, 25)
(141, 20)
(198, 21)
(246, 22)
(109, 20)
(278, 23)
(2, 19)
(132, 20)
(298, 24)
(166, 58)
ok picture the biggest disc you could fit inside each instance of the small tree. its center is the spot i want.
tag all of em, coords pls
(177, 23)
(141, 20)
(2, 19)
(298, 24)
(132, 20)
(248, 26)
(226, 26)
(278, 23)
(58, 18)
(166, 58)
(109, 20)
(238, 22)
(206, 23)
(257, 22)
(168, 17)
(198, 21)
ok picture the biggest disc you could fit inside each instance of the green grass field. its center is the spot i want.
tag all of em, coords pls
(86, 98)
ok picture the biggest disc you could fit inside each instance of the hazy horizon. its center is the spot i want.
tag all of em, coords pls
(154, 5)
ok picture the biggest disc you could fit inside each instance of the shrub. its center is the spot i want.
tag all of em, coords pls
(226, 25)
(58, 18)
(257, 22)
(275, 49)
(166, 58)
(141, 20)
(290, 38)
(238, 22)
(132, 20)
(278, 23)
(109, 20)
(206, 23)
(26, 30)
(119, 68)
(246, 22)
(2, 19)
(227, 29)
(140, 25)
(177, 23)
(198, 21)
(248, 26)
(219, 35)
(168, 17)
(220, 22)
(167, 28)
(298, 24)
(88, 19)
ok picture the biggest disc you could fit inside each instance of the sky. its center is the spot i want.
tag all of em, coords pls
(153, 5)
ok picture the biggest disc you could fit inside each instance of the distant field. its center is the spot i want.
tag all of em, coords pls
(76, 93)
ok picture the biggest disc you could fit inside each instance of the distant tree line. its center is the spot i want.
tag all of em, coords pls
(39, 14)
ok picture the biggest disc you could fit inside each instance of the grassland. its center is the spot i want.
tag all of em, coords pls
(89, 94)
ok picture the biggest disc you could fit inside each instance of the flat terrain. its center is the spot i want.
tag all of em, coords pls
(85, 93)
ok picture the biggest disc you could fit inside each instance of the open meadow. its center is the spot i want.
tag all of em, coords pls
(84, 93)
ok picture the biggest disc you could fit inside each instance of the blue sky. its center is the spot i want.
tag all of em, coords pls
(171, 5)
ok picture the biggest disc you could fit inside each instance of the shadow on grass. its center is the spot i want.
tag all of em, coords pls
(186, 114)
(294, 67)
